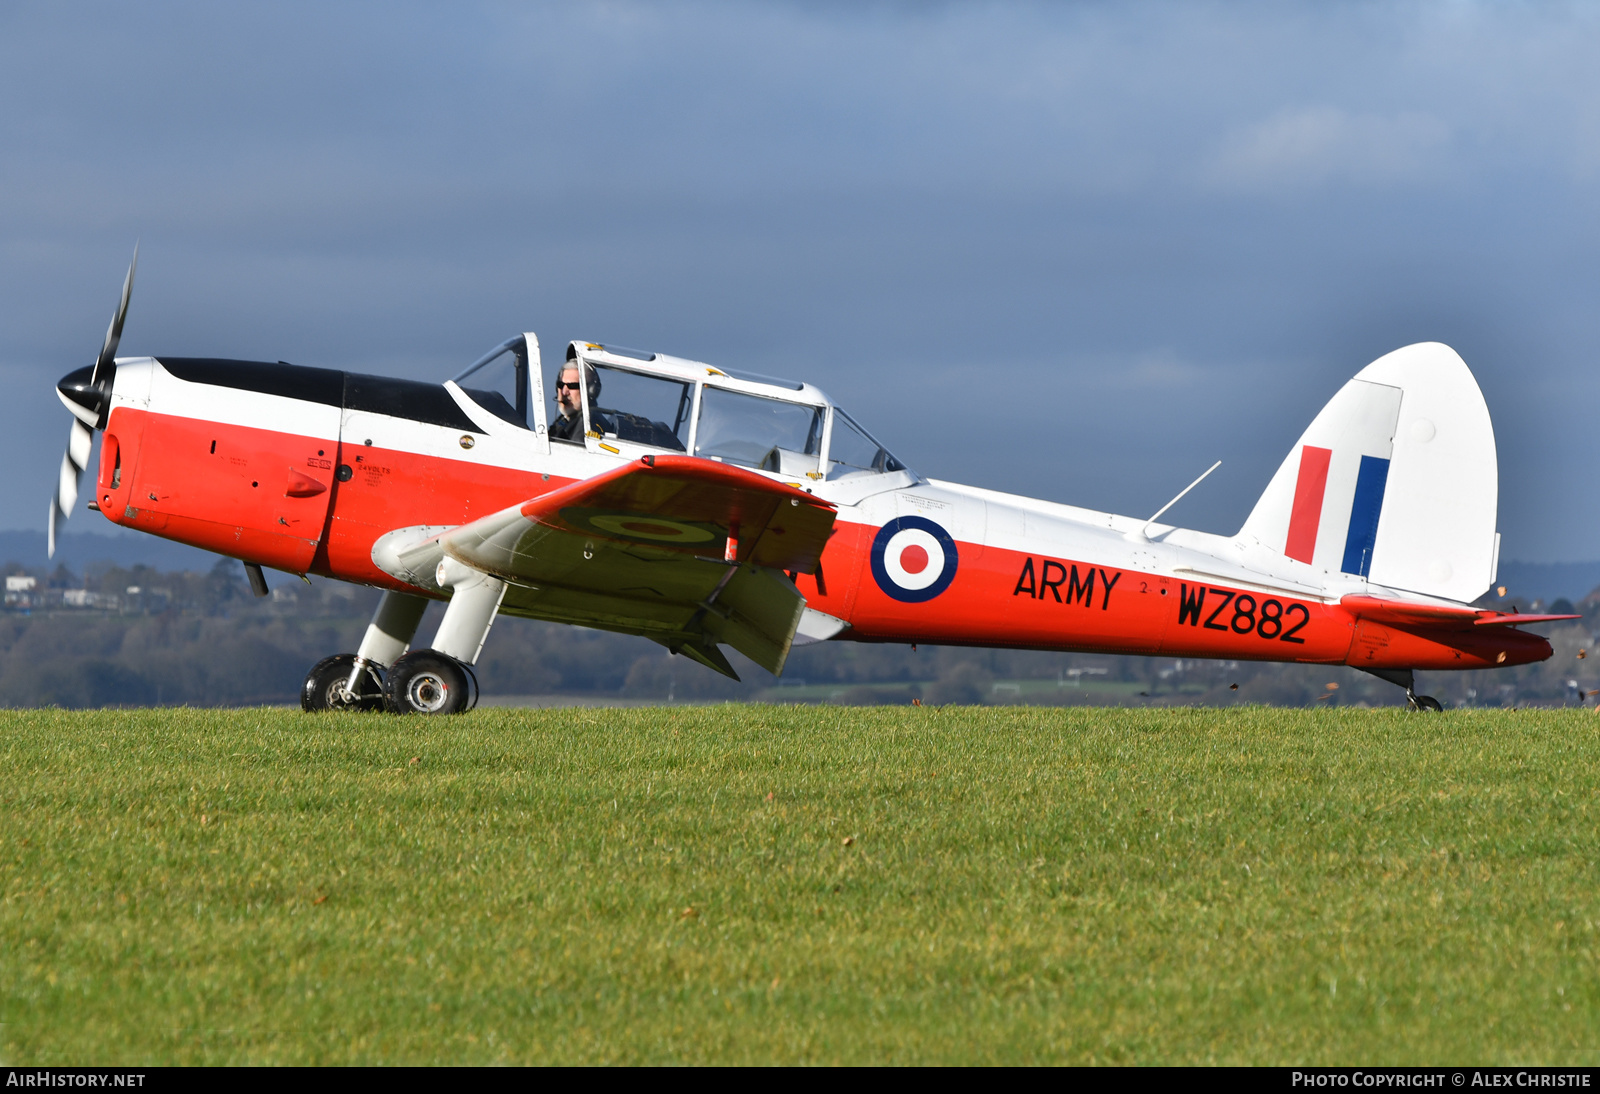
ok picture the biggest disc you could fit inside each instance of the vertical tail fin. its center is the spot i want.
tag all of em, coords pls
(1395, 481)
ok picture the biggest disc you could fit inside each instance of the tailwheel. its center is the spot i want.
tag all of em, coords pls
(327, 686)
(429, 682)
(1407, 678)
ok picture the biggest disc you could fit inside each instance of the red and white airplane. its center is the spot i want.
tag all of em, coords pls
(701, 507)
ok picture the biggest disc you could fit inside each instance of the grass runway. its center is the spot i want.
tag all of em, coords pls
(743, 884)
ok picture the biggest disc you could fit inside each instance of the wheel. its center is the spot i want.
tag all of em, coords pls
(1426, 703)
(427, 682)
(326, 686)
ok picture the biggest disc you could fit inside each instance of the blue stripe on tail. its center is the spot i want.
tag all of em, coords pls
(1374, 476)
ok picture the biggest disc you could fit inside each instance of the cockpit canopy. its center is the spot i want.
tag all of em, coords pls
(634, 402)
(500, 381)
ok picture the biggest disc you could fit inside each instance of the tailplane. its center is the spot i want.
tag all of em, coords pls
(1395, 481)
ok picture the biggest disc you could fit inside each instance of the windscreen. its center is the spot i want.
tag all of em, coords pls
(853, 451)
(767, 434)
(497, 389)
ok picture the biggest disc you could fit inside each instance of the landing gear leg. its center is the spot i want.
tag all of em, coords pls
(440, 680)
(354, 681)
(1407, 678)
(394, 624)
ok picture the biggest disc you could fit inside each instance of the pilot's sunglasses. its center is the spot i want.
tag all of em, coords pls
(569, 387)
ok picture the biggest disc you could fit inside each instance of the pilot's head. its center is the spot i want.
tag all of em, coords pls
(567, 391)
(567, 382)
(567, 388)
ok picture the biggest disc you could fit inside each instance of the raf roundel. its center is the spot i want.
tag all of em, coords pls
(635, 526)
(913, 559)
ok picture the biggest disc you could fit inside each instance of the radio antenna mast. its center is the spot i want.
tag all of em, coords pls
(1144, 531)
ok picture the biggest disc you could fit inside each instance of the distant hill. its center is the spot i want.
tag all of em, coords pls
(80, 550)
(193, 634)
(1548, 580)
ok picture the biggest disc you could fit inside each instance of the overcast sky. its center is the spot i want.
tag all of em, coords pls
(1073, 251)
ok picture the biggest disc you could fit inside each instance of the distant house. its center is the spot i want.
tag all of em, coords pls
(20, 591)
(83, 598)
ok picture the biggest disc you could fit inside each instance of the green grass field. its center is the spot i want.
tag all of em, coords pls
(747, 884)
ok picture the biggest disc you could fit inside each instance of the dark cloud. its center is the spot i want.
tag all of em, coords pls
(1077, 251)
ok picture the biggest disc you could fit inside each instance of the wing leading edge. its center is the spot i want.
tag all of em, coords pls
(685, 551)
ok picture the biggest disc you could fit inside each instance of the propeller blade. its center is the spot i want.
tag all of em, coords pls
(108, 350)
(79, 444)
(94, 401)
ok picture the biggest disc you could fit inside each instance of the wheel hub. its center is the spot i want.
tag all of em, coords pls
(427, 692)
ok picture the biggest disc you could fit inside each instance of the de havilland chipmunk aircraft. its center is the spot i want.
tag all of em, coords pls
(701, 507)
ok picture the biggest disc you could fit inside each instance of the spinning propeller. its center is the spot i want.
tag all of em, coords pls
(87, 394)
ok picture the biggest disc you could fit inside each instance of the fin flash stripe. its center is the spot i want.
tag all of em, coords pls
(1306, 516)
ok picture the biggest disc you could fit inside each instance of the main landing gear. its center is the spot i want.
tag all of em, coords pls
(1407, 678)
(327, 685)
(421, 682)
(430, 682)
(382, 675)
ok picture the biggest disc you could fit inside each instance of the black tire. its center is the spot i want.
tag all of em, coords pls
(324, 688)
(427, 682)
(1428, 703)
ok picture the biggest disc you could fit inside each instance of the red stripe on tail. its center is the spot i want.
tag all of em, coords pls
(1307, 512)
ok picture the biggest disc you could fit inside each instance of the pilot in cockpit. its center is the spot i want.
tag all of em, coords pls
(569, 427)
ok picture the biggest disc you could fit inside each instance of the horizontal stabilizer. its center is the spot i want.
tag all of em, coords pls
(1514, 619)
(1401, 613)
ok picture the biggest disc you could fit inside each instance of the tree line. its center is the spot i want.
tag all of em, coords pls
(150, 637)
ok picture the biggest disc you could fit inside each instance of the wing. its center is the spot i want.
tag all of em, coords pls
(688, 552)
(1403, 613)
